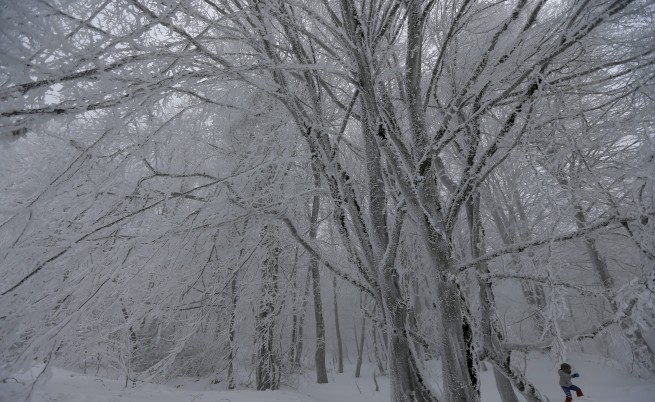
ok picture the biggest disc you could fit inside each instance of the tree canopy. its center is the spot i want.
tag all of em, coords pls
(169, 166)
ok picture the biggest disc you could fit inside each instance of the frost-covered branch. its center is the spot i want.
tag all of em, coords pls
(520, 247)
(588, 333)
(549, 281)
(310, 249)
(139, 211)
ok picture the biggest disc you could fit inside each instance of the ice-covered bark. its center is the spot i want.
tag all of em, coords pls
(407, 382)
(268, 365)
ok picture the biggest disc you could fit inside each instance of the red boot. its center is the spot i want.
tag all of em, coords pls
(579, 393)
(568, 399)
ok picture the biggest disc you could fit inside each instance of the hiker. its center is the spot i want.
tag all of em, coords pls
(565, 381)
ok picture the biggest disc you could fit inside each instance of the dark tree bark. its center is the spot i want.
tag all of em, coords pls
(231, 380)
(268, 365)
(360, 343)
(299, 320)
(321, 371)
(337, 328)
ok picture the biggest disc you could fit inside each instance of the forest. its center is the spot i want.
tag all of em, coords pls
(249, 191)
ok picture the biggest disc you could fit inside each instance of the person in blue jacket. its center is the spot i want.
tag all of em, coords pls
(565, 381)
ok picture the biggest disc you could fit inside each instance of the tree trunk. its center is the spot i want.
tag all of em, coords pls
(457, 358)
(508, 226)
(336, 327)
(487, 299)
(268, 367)
(598, 262)
(407, 383)
(294, 317)
(456, 350)
(504, 387)
(642, 352)
(360, 344)
(489, 327)
(231, 381)
(533, 292)
(377, 350)
(297, 356)
(321, 371)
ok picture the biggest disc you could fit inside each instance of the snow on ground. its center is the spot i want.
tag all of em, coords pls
(602, 380)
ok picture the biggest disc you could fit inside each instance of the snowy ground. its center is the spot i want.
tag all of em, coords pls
(600, 379)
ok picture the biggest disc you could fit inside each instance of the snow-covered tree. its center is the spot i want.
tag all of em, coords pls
(201, 150)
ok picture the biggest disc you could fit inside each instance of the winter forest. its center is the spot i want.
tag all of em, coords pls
(260, 192)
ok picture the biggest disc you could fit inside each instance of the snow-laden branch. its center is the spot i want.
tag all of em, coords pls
(312, 250)
(588, 333)
(22, 89)
(547, 280)
(520, 247)
(108, 225)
